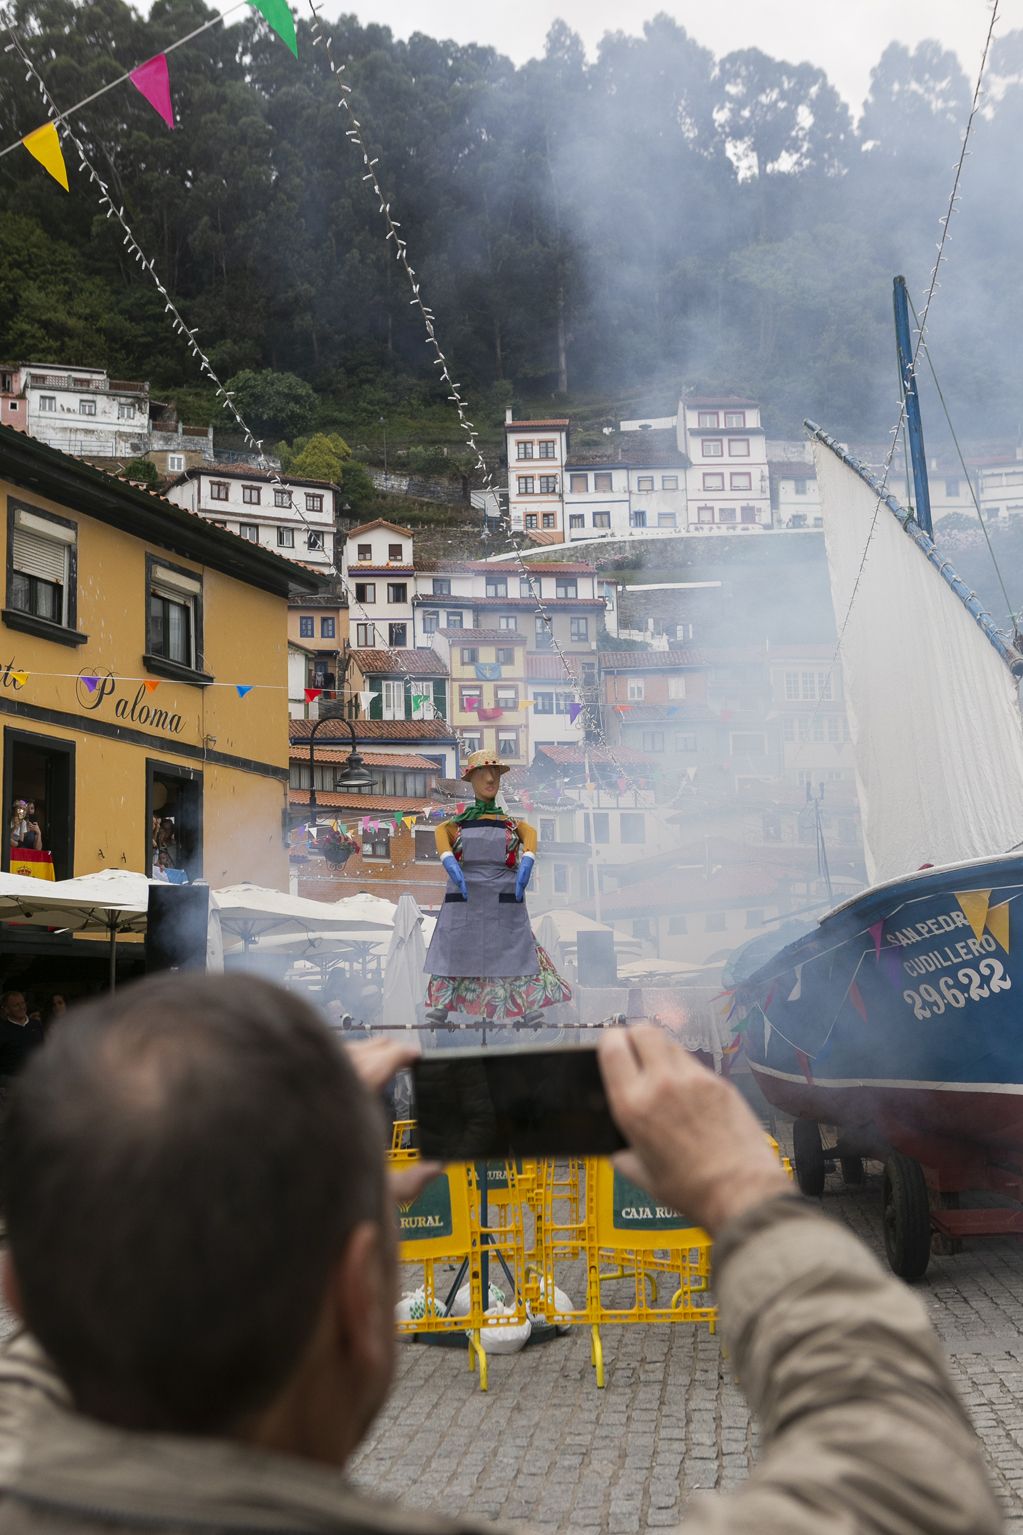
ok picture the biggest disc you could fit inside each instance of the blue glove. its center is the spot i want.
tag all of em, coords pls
(455, 874)
(525, 872)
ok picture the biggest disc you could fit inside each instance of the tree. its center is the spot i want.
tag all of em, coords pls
(273, 404)
(320, 457)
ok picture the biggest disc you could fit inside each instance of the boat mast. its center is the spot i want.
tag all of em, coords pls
(907, 378)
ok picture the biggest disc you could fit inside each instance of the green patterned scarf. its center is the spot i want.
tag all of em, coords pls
(480, 808)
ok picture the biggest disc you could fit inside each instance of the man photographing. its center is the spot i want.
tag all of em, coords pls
(200, 1241)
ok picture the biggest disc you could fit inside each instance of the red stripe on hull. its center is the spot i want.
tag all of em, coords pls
(956, 1133)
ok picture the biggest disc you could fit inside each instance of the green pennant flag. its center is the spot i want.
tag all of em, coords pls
(278, 14)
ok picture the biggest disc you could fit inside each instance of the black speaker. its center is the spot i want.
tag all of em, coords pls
(596, 961)
(176, 926)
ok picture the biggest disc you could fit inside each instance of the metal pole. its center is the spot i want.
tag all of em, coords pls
(914, 425)
(113, 951)
(590, 839)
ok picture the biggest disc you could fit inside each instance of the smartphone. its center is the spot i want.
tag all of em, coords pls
(545, 1101)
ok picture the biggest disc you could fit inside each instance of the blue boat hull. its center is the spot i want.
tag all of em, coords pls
(898, 1018)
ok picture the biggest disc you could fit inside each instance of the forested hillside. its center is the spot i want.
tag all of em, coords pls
(648, 218)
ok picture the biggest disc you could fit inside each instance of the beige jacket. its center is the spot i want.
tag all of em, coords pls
(862, 1431)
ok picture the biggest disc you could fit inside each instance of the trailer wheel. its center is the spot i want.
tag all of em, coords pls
(852, 1171)
(907, 1217)
(808, 1157)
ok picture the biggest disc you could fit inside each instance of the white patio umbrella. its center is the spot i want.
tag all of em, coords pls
(404, 978)
(251, 913)
(111, 901)
(364, 908)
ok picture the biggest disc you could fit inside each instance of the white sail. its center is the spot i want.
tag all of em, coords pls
(933, 708)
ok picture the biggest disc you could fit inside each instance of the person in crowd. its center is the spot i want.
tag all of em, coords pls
(21, 1032)
(25, 829)
(199, 1242)
(54, 1010)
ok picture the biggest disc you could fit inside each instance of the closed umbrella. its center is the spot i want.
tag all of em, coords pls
(404, 977)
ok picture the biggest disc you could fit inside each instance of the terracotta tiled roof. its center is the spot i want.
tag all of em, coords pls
(648, 660)
(575, 756)
(375, 730)
(490, 567)
(719, 399)
(365, 804)
(299, 752)
(416, 663)
(484, 636)
(250, 472)
(372, 567)
(514, 426)
(364, 527)
(459, 600)
(546, 668)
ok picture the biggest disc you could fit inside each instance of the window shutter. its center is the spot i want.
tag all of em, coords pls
(41, 557)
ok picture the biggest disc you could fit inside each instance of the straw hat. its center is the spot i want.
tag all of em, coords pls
(482, 760)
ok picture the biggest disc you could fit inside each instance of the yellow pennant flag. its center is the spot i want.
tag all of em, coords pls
(974, 904)
(409, 820)
(998, 924)
(20, 678)
(44, 145)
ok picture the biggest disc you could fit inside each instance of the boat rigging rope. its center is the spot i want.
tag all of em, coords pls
(973, 494)
(922, 322)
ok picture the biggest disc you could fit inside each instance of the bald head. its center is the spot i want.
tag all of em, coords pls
(184, 1166)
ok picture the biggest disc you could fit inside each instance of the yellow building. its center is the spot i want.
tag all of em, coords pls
(143, 678)
(488, 690)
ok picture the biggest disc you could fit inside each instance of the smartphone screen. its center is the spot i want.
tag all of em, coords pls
(481, 1104)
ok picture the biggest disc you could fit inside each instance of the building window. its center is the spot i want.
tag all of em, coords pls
(653, 740)
(603, 480)
(713, 447)
(376, 845)
(726, 514)
(48, 402)
(42, 565)
(560, 879)
(306, 627)
(454, 620)
(738, 447)
(313, 501)
(705, 514)
(219, 490)
(505, 655)
(541, 638)
(637, 519)
(251, 495)
(580, 629)
(632, 826)
(523, 450)
(365, 636)
(41, 771)
(175, 462)
(286, 538)
(713, 482)
(507, 621)
(507, 743)
(579, 484)
(798, 486)
(328, 628)
(748, 514)
(548, 485)
(665, 519)
(548, 449)
(87, 407)
(635, 689)
(576, 521)
(676, 687)
(549, 520)
(125, 410)
(173, 630)
(952, 488)
(744, 481)
(526, 483)
(282, 498)
(470, 697)
(602, 519)
(395, 552)
(431, 621)
(497, 586)
(314, 541)
(249, 530)
(392, 700)
(441, 586)
(677, 925)
(543, 703)
(684, 741)
(669, 482)
(601, 827)
(363, 553)
(506, 697)
(469, 656)
(397, 591)
(791, 685)
(530, 519)
(714, 922)
(644, 482)
(397, 636)
(707, 418)
(425, 845)
(365, 591)
(735, 418)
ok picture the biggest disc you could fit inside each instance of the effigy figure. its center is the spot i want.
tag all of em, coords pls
(483, 959)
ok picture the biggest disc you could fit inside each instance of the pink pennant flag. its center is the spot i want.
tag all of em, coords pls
(856, 998)
(875, 932)
(152, 80)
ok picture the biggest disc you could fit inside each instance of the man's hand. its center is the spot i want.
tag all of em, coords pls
(375, 1064)
(524, 876)
(455, 874)
(694, 1143)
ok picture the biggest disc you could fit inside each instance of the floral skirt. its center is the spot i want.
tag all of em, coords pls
(499, 996)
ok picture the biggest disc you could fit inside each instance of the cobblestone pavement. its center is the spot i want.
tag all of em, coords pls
(546, 1448)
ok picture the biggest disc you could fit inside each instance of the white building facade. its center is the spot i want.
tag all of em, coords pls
(537, 451)
(378, 570)
(78, 410)
(296, 520)
(728, 484)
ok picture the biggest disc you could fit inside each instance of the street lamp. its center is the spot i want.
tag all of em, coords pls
(355, 777)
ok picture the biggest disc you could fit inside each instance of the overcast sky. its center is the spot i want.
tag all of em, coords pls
(844, 37)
